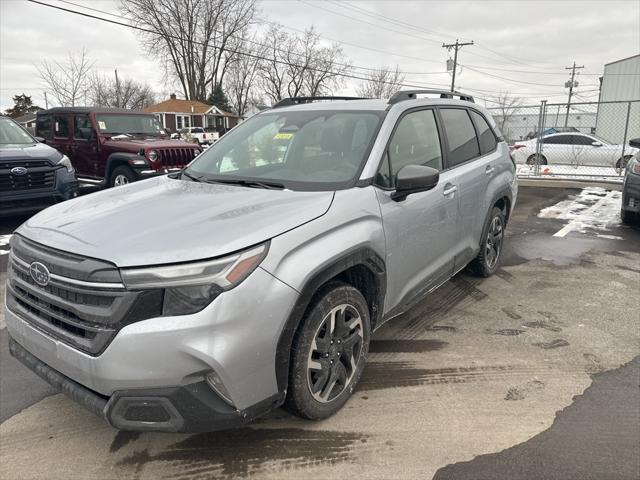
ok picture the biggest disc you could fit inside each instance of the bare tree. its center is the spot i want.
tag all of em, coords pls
(67, 82)
(505, 105)
(298, 65)
(382, 83)
(120, 93)
(241, 76)
(195, 39)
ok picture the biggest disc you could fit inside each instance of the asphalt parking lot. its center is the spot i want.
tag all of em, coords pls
(532, 373)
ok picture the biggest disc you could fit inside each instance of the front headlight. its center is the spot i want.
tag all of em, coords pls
(66, 163)
(152, 155)
(189, 287)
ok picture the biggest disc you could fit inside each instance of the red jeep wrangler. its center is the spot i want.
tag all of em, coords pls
(112, 146)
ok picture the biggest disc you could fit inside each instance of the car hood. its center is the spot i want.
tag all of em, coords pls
(29, 151)
(135, 144)
(165, 220)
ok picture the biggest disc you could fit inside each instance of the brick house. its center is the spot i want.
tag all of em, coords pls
(176, 114)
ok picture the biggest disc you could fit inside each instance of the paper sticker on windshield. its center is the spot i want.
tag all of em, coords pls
(283, 136)
(102, 125)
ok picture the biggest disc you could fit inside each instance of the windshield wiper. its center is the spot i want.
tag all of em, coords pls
(195, 179)
(249, 183)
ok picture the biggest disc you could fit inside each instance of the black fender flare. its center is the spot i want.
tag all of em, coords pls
(502, 193)
(363, 256)
(119, 158)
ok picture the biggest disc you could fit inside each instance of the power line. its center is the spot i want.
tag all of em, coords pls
(235, 51)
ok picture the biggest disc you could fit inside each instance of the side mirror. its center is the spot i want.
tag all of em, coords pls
(41, 139)
(414, 179)
(596, 144)
(634, 142)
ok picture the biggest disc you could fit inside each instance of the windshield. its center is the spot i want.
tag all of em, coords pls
(12, 133)
(112, 124)
(302, 150)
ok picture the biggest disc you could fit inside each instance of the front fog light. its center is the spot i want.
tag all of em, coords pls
(216, 384)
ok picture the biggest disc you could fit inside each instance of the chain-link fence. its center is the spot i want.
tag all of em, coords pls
(580, 140)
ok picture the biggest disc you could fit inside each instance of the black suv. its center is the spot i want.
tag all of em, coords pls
(32, 175)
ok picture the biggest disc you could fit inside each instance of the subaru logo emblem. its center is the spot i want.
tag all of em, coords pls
(18, 171)
(39, 273)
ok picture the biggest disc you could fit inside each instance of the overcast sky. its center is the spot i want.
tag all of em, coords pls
(522, 47)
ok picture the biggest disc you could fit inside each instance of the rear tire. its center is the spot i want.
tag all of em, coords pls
(122, 176)
(328, 352)
(621, 164)
(491, 245)
(532, 160)
(629, 218)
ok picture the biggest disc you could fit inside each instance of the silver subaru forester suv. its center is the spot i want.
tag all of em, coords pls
(255, 277)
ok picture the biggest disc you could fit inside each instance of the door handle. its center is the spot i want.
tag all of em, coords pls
(489, 170)
(449, 190)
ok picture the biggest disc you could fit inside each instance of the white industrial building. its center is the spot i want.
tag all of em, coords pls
(619, 83)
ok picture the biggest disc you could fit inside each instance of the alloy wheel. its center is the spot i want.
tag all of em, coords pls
(335, 353)
(493, 246)
(120, 180)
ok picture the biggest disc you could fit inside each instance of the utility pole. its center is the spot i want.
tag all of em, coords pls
(571, 84)
(46, 102)
(117, 89)
(456, 46)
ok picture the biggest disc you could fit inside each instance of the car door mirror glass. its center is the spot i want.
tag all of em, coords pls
(414, 179)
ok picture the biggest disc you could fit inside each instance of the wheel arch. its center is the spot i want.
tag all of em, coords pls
(118, 159)
(363, 269)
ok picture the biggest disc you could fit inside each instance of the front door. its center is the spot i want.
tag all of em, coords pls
(421, 229)
(61, 134)
(84, 147)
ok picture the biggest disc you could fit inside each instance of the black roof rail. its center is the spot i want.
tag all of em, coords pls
(287, 102)
(403, 95)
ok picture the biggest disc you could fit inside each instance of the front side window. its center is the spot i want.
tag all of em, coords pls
(488, 141)
(13, 134)
(414, 142)
(461, 136)
(61, 127)
(558, 140)
(301, 150)
(82, 129)
(582, 140)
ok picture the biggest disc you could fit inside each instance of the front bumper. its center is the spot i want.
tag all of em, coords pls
(236, 336)
(190, 408)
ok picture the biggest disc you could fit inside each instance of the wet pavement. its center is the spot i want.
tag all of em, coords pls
(532, 373)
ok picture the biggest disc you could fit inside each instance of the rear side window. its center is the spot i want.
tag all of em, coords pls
(485, 134)
(461, 136)
(43, 126)
(415, 142)
(61, 127)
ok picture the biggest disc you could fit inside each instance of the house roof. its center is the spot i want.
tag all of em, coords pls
(29, 117)
(176, 105)
(179, 106)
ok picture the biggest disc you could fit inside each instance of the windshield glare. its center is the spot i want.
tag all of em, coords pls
(12, 134)
(303, 150)
(128, 124)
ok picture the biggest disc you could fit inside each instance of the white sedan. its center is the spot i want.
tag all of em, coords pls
(574, 149)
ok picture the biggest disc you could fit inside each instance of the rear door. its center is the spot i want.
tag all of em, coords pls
(84, 147)
(472, 172)
(420, 229)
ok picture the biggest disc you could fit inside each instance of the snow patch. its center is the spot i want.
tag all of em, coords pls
(593, 208)
(569, 172)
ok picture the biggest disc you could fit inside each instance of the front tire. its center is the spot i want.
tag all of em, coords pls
(542, 160)
(329, 352)
(629, 218)
(488, 260)
(122, 176)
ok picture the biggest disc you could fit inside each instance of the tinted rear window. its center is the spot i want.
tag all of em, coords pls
(487, 138)
(463, 143)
